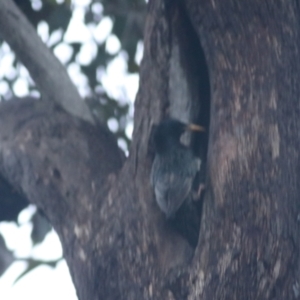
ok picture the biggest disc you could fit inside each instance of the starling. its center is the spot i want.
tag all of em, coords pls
(174, 167)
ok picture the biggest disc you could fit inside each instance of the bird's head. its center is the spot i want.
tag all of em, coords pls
(169, 131)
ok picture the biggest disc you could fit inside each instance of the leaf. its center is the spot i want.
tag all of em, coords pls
(60, 18)
(41, 227)
(33, 264)
(11, 201)
(6, 256)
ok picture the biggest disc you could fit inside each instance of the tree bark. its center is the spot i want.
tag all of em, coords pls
(249, 246)
(117, 243)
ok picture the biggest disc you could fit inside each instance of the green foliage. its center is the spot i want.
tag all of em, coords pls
(40, 227)
(56, 15)
(35, 263)
(6, 257)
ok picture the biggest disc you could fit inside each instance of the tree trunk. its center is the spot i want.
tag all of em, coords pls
(250, 234)
(117, 243)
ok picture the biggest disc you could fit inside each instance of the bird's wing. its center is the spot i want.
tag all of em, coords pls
(171, 189)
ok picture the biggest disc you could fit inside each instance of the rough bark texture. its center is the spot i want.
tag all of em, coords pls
(63, 165)
(250, 234)
(115, 240)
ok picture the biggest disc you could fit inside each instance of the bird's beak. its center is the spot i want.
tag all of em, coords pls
(194, 127)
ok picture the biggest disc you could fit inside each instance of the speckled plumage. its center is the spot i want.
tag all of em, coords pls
(174, 167)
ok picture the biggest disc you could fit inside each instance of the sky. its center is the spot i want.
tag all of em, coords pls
(45, 282)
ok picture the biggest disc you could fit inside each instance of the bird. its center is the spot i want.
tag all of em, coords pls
(174, 167)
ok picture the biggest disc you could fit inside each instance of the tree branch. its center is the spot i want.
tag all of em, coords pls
(49, 75)
(64, 166)
(57, 161)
